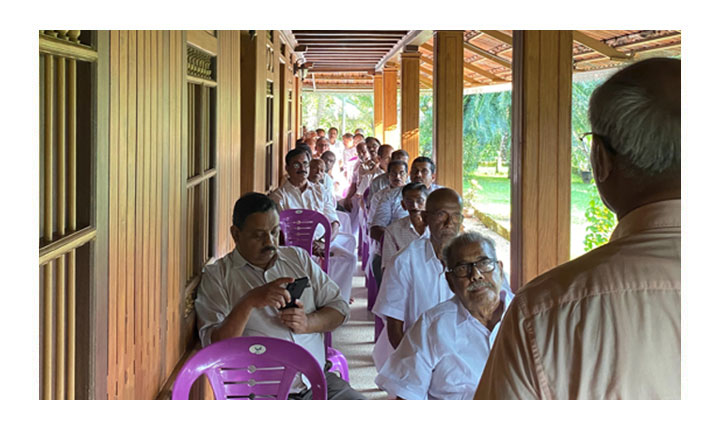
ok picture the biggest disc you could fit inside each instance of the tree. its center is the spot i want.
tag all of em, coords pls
(486, 129)
(327, 110)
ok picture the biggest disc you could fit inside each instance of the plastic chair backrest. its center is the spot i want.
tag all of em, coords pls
(251, 367)
(299, 226)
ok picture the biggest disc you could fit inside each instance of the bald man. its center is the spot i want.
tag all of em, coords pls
(607, 324)
(414, 280)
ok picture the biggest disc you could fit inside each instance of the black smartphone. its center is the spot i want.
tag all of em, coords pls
(296, 289)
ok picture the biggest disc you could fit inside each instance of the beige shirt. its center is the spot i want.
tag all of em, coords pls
(226, 281)
(603, 326)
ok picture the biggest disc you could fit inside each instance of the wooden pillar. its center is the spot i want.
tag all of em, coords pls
(447, 108)
(542, 102)
(253, 78)
(390, 126)
(410, 100)
(378, 131)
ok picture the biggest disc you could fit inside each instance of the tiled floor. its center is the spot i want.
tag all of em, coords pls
(355, 340)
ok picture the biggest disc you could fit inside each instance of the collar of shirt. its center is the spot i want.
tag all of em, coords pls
(239, 261)
(463, 315)
(661, 214)
(411, 227)
(431, 258)
(291, 187)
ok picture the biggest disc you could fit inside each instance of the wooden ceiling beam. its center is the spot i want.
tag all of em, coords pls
(398, 47)
(426, 81)
(342, 60)
(315, 49)
(487, 55)
(502, 37)
(637, 53)
(651, 40)
(484, 73)
(343, 69)
(473, 68)
(601, 47)
(349, 32)
(352, 45)
(303, 39)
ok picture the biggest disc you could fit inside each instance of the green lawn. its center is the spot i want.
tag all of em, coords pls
(493, 198)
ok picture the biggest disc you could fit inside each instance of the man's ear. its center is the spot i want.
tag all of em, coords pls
(600, 160)
(235, 233)
(424, 216)
(450, 283)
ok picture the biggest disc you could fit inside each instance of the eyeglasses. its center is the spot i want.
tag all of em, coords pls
(485, 265)
(456, 218)
(297, 165)
(603, 139)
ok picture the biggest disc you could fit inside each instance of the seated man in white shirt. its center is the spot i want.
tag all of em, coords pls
(397, 174)
(443, 354)
(298, 193)
(241, 293)
(388, 208)
(400, 233)
(317, 173)
(321, 146)
(414, 282)
(381, 182)
(332, 174)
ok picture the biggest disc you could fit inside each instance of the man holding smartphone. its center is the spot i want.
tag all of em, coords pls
(241, 294)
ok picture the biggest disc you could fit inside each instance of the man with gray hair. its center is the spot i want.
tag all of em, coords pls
(607, 325)
(444, 352)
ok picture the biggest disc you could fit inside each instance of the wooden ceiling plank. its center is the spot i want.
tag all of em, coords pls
(502, 37)
(488, 55)
(651, 40)
(304, 39)
(426, 81)
(601, 47)
(349, 32)
(484, 73)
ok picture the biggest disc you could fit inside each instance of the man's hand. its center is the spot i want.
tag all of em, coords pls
(271, 294)
(295, 318)
(319, 248)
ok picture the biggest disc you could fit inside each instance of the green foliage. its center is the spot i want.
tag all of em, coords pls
(486, 130)
(601, 222)
(581, 92)
(326, 110)
(426, 124)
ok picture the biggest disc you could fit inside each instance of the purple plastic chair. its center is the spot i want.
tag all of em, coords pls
(299, 226)
(251, 367)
